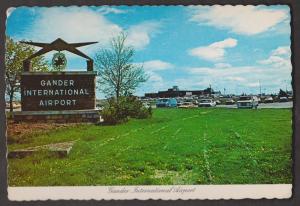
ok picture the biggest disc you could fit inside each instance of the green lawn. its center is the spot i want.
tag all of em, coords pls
(175, 146)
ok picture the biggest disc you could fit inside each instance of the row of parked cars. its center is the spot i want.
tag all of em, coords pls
(246, 101)
(279, 99)
(172, 102)
(242, 102)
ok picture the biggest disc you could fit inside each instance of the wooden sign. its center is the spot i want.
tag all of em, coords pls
(44, 91)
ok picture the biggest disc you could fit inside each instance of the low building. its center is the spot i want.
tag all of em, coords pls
(176, 92)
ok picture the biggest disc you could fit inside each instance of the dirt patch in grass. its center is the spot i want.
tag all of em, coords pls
(20, 132)
(60, 149)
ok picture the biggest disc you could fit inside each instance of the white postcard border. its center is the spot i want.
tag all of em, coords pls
(166, 192)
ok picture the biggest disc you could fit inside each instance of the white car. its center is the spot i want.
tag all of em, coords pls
(218, 102)
(269, 100)
(283, 99)
(247, 102)
(207, 103)
(230, 102)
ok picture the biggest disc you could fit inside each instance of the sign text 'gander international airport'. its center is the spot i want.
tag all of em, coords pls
(61, 91)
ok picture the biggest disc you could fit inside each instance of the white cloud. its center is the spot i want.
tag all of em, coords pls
(155, 82)
(216, 72)
(283, 50)
(110, 10)
(283, 28)
(214, 51)
(73, 24)
(227, 43)
(81, 24)
(154, 77)
(140, 35)
(279, 58)
(192, 83)
(247, 20)
(156, 65)
(222, 65)
(276, 61)
(237, 79)
(253, 84)
(152, 69)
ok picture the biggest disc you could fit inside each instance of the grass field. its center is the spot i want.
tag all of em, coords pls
(175, 146)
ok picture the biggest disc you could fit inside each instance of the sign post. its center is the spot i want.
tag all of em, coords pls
(60, 96)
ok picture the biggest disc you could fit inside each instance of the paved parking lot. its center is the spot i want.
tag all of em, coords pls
(263, 105)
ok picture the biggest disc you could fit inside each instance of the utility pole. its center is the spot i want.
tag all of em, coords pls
(259, 88)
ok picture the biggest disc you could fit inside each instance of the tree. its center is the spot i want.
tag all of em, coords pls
(15, 53)
(118, 76)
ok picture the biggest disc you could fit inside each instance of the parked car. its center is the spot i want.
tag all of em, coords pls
(172, 102)
(195, 102)
(259, 100)
(166, 102)
(179, 103)
(230, 102)
(161, 102)
(269, 100)
(283, 99)
(187, 105)
(207, 103)
(247, 102)
(218, 102)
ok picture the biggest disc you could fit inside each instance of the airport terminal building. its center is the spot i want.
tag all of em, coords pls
(176, 92)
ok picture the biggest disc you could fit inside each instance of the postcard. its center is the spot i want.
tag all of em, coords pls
(149, 102)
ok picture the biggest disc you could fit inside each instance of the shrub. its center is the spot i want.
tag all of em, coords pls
(150, 110)
(127, 107)
(143, 113)
(111, 114)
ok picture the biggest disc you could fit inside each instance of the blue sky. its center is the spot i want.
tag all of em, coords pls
(232, 47)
